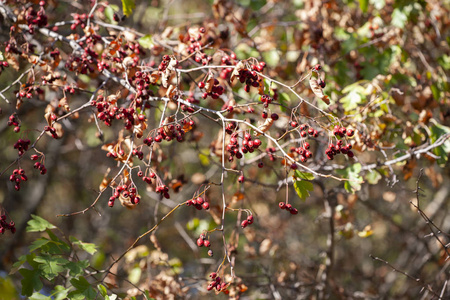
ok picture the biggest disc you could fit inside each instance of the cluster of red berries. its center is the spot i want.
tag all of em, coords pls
(11, 47)
(69, 89)
(248, 145)
(6, 226)
(18, 176)
(41, 167)
(342, 131)
(108, 111)
(304, 131)
(170, 132)
(303, 152)
(138, 153)
(165, 62)
(189, 99)
(195, 46)
(216, 283)
(146, 179)
(215, 92)
(288, 207)
(163, 190)
(230, 127)
(3, 64)
(83, 64)
(270, 153)
(52, 131)
(22, 146)
(142, 83)
(36, 18)
(199, 203)
(227, 60)
(247, 221)
(126, 192)
(27, 90)
(251, 78)
(333, 150)
(79, 20)
(266, 99)
(203, 241)
(14, 121)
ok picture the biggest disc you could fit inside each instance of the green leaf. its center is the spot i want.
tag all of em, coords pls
(128, 6)
(303, 175)
(303, 188)
(379, 4)
(39, 243)
(354, 179)
(60, 292)
(363, 4)
(39, 296)
(88, 247)
(399, 18)
(135, 275)
(18, 264)
(80, 284)
(77, 267)
(146, 41)
(271, 57)
(83, 287)
(30, 282)
(438, 130)
(51, 265)
(351, 101)
(373, 177)
(109, 12)
(102, 290)
(38, 224)
(283, 98)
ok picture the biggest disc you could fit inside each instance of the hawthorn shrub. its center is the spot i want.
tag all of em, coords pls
(251, 149)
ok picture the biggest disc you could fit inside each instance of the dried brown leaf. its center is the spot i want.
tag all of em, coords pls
(317, 90)
(265, 126)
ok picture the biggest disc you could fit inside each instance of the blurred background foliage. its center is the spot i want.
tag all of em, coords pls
(387, 66)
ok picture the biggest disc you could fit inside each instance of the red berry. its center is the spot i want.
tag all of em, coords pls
(282, 205)
(350, 132)
(200, 242)
(201, 85)
(205, 205)
(250, 219)
(207, 243)
(244, 223)
(241, 179)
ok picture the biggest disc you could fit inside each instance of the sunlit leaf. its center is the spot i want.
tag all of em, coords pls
(303, 175)
(363, 4)
(373, 177)
(88, 247)
(303, 187)
(399, 18)
(354, 179)
(38, 224)
(146, 41)
(128, 6)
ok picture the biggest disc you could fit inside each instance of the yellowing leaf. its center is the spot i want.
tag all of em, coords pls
(128, 6)
(366, 232)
